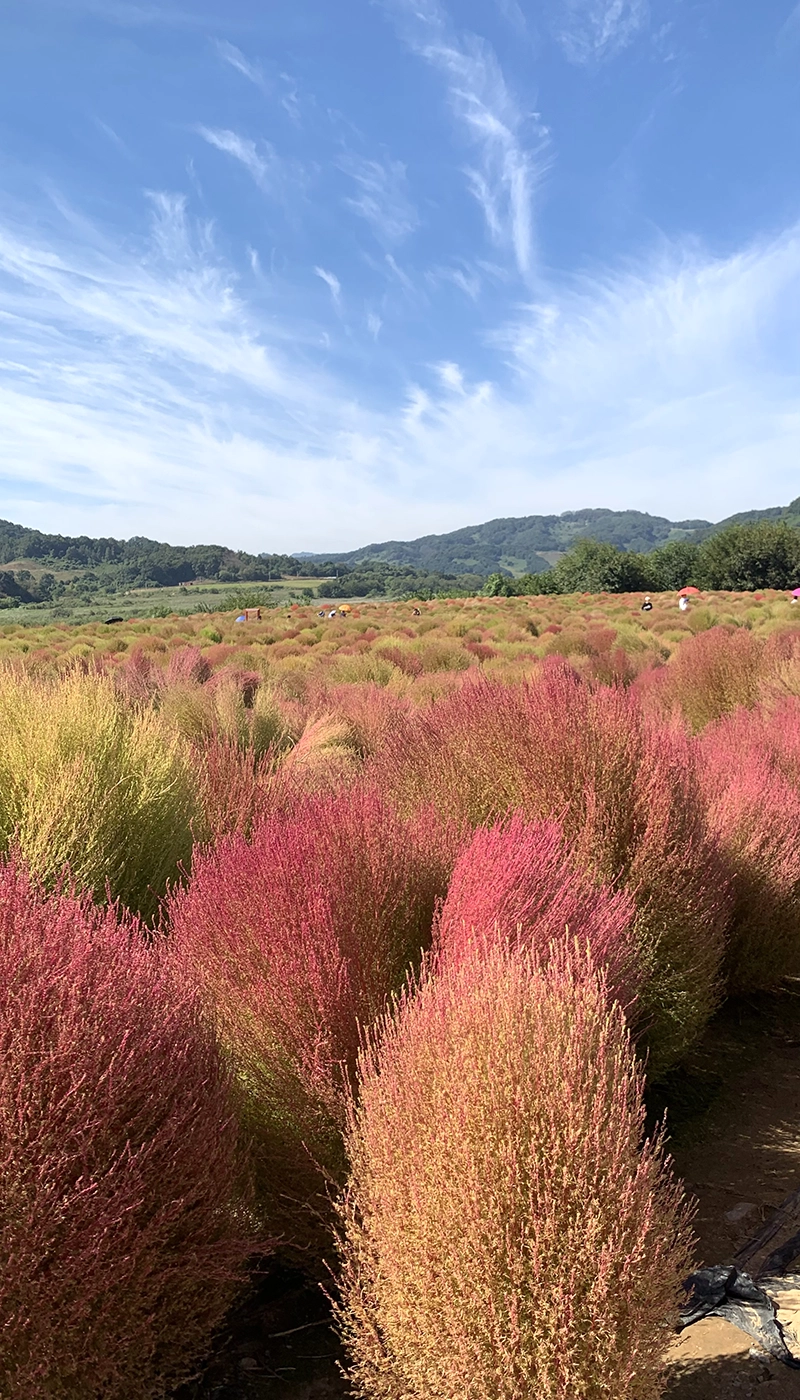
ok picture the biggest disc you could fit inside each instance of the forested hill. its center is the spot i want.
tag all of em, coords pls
(139, 562)
(522, 544)
(514, 546)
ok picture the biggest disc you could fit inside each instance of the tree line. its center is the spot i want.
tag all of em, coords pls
(740, 558)
(765, 554)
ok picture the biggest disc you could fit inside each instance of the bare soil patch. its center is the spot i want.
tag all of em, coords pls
(734, 1117)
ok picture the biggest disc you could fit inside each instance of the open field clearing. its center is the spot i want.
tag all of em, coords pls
(368, 951)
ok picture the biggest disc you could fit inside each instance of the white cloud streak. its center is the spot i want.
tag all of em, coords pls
(789, 32)
(333, 282)
(243, 150)
(382, 196)
(140, 393)
(230, 54)
(593, 30)
(511, 152)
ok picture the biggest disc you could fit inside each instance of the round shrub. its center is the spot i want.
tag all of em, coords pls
(505, 1232)
(751, 787)
(713, 672)
(517, 884)
(295, 940)
(91, 782)
(121, 1190)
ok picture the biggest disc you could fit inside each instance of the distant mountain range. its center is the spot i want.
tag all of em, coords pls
(532, 543)
(31, 561)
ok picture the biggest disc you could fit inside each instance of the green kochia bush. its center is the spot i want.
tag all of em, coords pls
(88, 780)
(505, 1233)
(123, 1205)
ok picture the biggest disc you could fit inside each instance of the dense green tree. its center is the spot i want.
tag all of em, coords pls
(672, 566)
(594, 567)
(761, 555)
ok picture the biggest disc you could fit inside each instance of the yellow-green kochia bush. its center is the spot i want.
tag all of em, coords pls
(90, 782)
(506, 1232)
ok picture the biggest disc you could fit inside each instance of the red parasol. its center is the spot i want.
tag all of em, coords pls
(690, 592)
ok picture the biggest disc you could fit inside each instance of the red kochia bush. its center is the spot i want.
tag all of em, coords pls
(518, 884)
(119, 1252)
(624, 788)
(187, 666)
(295, 940)
(504, 1232)
(750, 782)
(237, 787)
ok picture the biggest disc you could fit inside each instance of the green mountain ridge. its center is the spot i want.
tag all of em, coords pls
(46, 569)
(532, 543)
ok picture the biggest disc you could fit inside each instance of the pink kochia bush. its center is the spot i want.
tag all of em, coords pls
(505, 1232)
(121, 1194)
(518, 884)
(295, 940)
(624, 788)
(710, 675)
(750, 781)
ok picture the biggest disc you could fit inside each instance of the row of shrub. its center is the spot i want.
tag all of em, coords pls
(402, 645)
(170, 1108)
(374, 983)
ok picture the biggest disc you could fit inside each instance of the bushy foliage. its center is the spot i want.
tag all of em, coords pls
(231, 705)
(295, 941)
(765, 554)
(672, 566)
(518, 884)
(237, 788)
(712, 673)
(122, 1234)
(505, 1232)
(593, 567)
(626, 791)
(90, 782)
(754, 811)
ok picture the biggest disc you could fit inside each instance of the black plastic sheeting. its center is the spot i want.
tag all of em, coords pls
(723, 1291)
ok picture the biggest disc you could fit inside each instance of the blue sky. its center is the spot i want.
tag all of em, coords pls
(302, 274)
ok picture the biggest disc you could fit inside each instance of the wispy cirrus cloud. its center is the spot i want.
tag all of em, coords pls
(592, 30)
(332, 281)
(112, 136)
(510, 146)
(142, 392)
(466, 278)
(789, 32)
(381, 197)
(259, 159)
(233, 56)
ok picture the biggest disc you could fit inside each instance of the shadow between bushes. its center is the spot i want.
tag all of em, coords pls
(278, 1344)
(722, 1377)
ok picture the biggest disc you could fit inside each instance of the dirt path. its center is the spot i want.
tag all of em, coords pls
(734, 1114)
